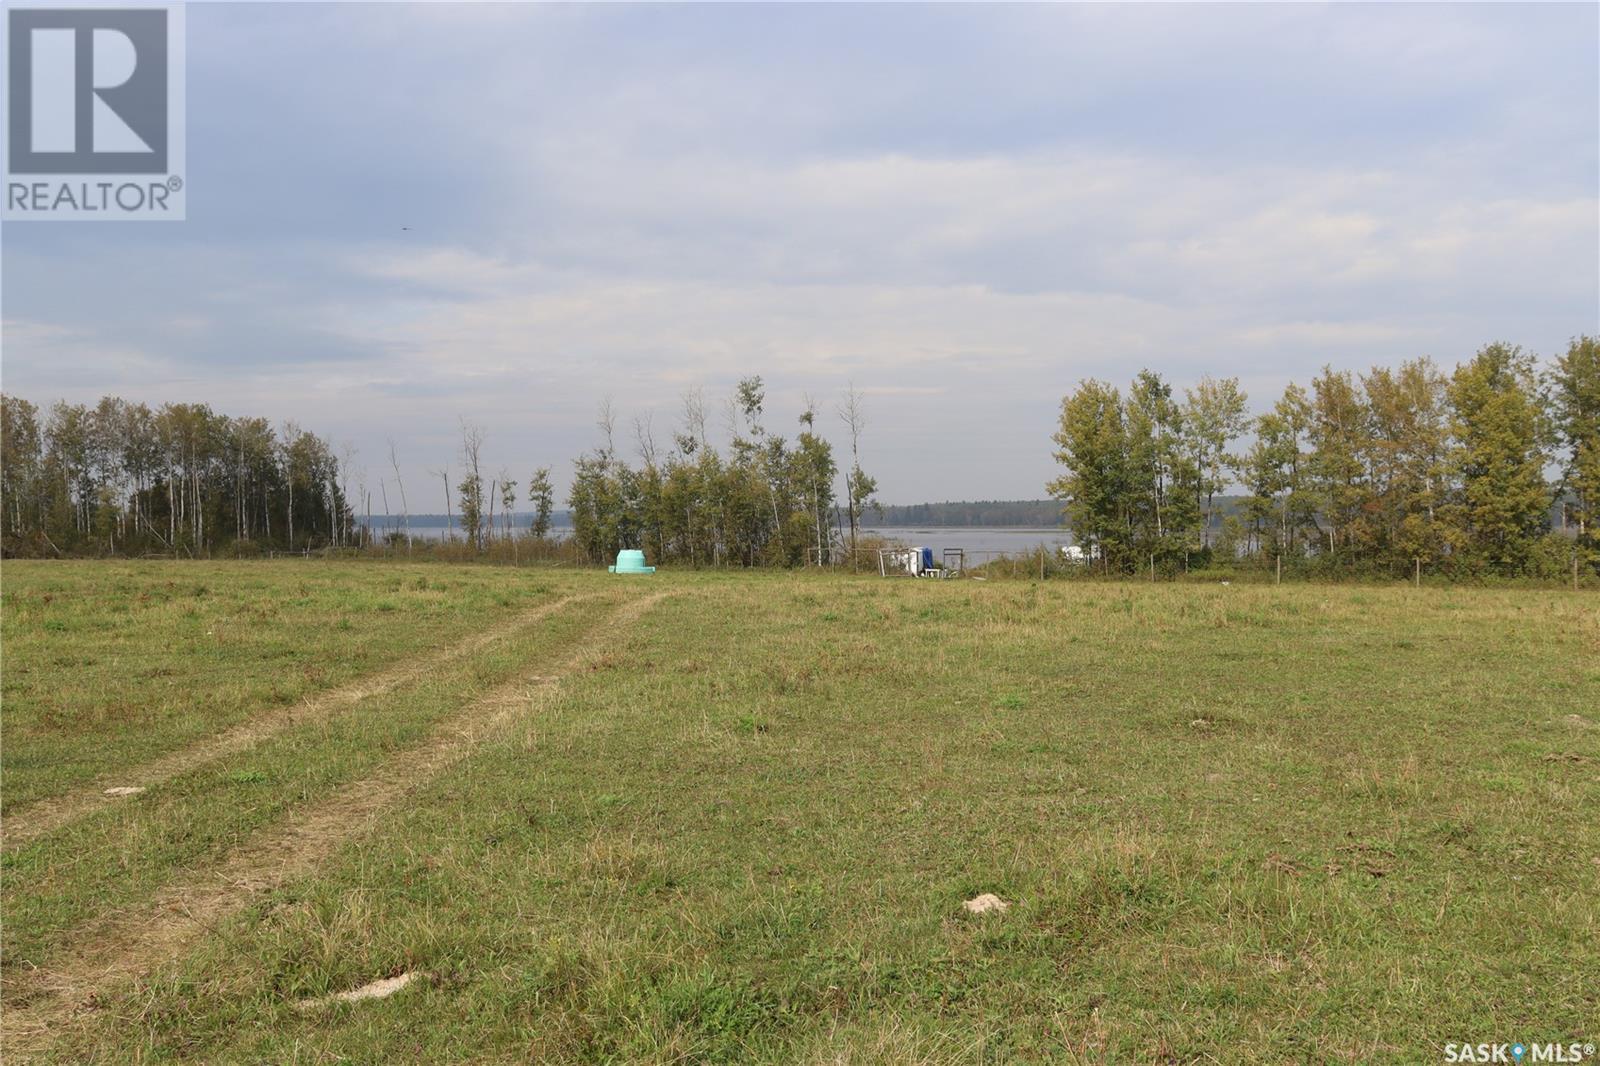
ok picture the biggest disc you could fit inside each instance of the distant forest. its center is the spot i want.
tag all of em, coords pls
(1047, 514)
(1027, 514)
(126, 478)
(559, 519)
(1037, 514)
(1396, 470)
(1031, 513)
(1384, 473)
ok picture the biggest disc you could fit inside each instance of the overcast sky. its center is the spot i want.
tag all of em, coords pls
(402, 215)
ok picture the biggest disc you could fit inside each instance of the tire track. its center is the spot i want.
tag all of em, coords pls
(131, 943)
(51, 813)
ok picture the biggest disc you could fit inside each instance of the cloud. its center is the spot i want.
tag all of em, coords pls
(1281, 335)
(508, 211)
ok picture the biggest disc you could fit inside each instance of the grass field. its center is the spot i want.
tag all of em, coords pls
(733, 817)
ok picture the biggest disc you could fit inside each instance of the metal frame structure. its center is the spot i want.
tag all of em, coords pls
(901, 567)
(954, 562)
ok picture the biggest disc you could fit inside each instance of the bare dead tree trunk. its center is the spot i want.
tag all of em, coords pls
(855, 420)
(405, 510)
(449, 516)
(471, 448)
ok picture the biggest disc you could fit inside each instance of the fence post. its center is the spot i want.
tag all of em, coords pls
(1418, 561)
(1279, 580)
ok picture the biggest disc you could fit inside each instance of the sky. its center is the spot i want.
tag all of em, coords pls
(403, 216)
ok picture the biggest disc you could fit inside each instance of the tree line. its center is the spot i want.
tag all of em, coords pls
(1383, 472)
(181, 479)
(1377, 472)
(1036, 513)
(763, 500)
(125, 478)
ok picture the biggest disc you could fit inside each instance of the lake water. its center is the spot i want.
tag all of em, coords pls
(436, 531)
(999, 539)
(975, 539)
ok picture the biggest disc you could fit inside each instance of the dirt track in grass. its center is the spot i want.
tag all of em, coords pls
(131, 943)
(50, 814)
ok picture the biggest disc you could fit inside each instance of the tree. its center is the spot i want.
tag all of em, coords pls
(759, 466)
(598, 501)
(1092, 444)
(1499, 430)
(690, 494)
(1575, 405)
(1406, 452)
(649, 484)
(1281, 506)
(21, 466)
(119, 477)
(1213, 418)
(1338, 441)
(470, 491)
(449, 509)
(68, 454)
(405, 509)
(1161, 483)
(814, 471)
(599, 497)
(508, 498)
(542, 497)
(859, 488)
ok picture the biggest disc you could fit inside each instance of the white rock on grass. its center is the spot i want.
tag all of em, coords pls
(376, 990)
(985, 903)
(125, 790)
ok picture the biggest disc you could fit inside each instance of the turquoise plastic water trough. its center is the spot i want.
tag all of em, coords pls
(631, 561)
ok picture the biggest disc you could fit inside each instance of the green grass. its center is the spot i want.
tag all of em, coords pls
(1242, 824)
(113, 663)
(124, 852)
